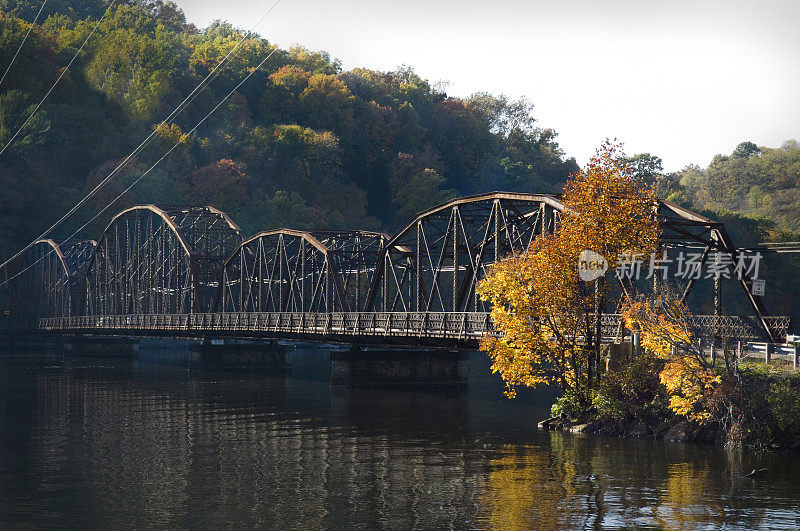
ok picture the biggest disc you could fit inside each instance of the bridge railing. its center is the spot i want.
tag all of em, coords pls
(444, 325)
(447, 325)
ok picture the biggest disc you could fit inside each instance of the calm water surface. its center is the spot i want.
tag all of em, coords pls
(98, 443)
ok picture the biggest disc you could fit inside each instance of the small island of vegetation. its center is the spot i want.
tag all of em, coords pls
(550, 332)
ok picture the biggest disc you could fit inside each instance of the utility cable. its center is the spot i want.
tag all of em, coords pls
(151, 168)
(23, 42)
(191, 97)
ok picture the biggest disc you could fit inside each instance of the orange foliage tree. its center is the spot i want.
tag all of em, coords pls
(693, 383)
(222, 184)
(547, 318)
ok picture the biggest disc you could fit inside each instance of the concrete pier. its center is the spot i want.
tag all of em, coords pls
(20, 343)
(399, 368)
(109, 346)
(238, 355)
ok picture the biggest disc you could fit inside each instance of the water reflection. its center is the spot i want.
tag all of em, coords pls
(98, 443)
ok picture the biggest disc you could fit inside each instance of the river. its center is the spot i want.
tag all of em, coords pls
(152, 442)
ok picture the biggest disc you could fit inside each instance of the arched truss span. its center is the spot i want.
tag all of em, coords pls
(435, 262)
(153, 260)
(45, 280)
(282, 270)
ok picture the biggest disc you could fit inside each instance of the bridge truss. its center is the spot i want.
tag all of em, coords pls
(434, 263)
(45, 281)
(288, 270)
(170, 262)
(155, 261)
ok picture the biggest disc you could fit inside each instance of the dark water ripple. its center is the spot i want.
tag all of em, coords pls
(94, 443)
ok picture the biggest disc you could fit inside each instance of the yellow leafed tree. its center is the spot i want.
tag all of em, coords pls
(663, 326)
(547, 318)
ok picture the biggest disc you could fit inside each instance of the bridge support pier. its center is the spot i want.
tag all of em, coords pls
(111, 346)
(18, 343)
(239, 355)
(398, 368)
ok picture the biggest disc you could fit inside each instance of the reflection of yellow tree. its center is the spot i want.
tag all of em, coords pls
(683, 505)
(523, 492)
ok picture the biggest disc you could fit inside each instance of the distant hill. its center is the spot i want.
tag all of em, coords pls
(302, 144)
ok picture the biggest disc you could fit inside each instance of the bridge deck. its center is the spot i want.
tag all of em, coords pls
(462, 330)
(454, 330)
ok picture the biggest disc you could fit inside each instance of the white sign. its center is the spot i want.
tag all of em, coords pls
(758, 287)
(591, 265)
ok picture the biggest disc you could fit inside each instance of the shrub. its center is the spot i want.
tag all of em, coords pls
(632, 390)
(784, 404)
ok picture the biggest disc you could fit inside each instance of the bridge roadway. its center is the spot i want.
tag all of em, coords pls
(451, 330)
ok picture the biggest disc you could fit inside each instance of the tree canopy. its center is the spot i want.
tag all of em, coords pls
(547, 317)
(302, 143)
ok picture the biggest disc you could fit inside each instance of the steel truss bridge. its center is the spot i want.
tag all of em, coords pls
(190, 272)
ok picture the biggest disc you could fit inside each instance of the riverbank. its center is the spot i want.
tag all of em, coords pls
(674, 430)
(765, 415)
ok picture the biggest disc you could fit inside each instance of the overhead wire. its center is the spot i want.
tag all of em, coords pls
(178, 143)
(24, 40)
(60, 76)
(177, 111)
(150, 169)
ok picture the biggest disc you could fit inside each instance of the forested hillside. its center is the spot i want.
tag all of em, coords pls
(301, 144)
(759, 181)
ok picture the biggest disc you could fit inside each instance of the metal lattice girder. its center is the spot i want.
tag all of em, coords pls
(434, 329)
(435, 262)
(44, 280)
(355, 253)
(155, 261)
(680, 226)
(77, 254)
(282, 270)
(40, 285)
(719, 326)
(213, 237)
(151, 260)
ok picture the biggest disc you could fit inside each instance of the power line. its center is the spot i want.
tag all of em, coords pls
(61, 75)
(189, 99)
(179, 142)
(151, 168)
(23, 42)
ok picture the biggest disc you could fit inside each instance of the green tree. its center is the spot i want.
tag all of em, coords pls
(15, 108)
(327, 104)
(133, 70)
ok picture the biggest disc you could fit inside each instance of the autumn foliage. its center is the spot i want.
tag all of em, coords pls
(547, 318)
(689, 377)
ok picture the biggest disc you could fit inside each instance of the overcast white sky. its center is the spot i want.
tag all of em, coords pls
(681, 79)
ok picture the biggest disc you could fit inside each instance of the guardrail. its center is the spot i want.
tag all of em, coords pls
(759, 351)
(770, 351)
(449, 325)
(445, 329)
(320, 326)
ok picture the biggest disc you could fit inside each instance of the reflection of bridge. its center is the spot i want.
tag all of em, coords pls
(190, 272)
